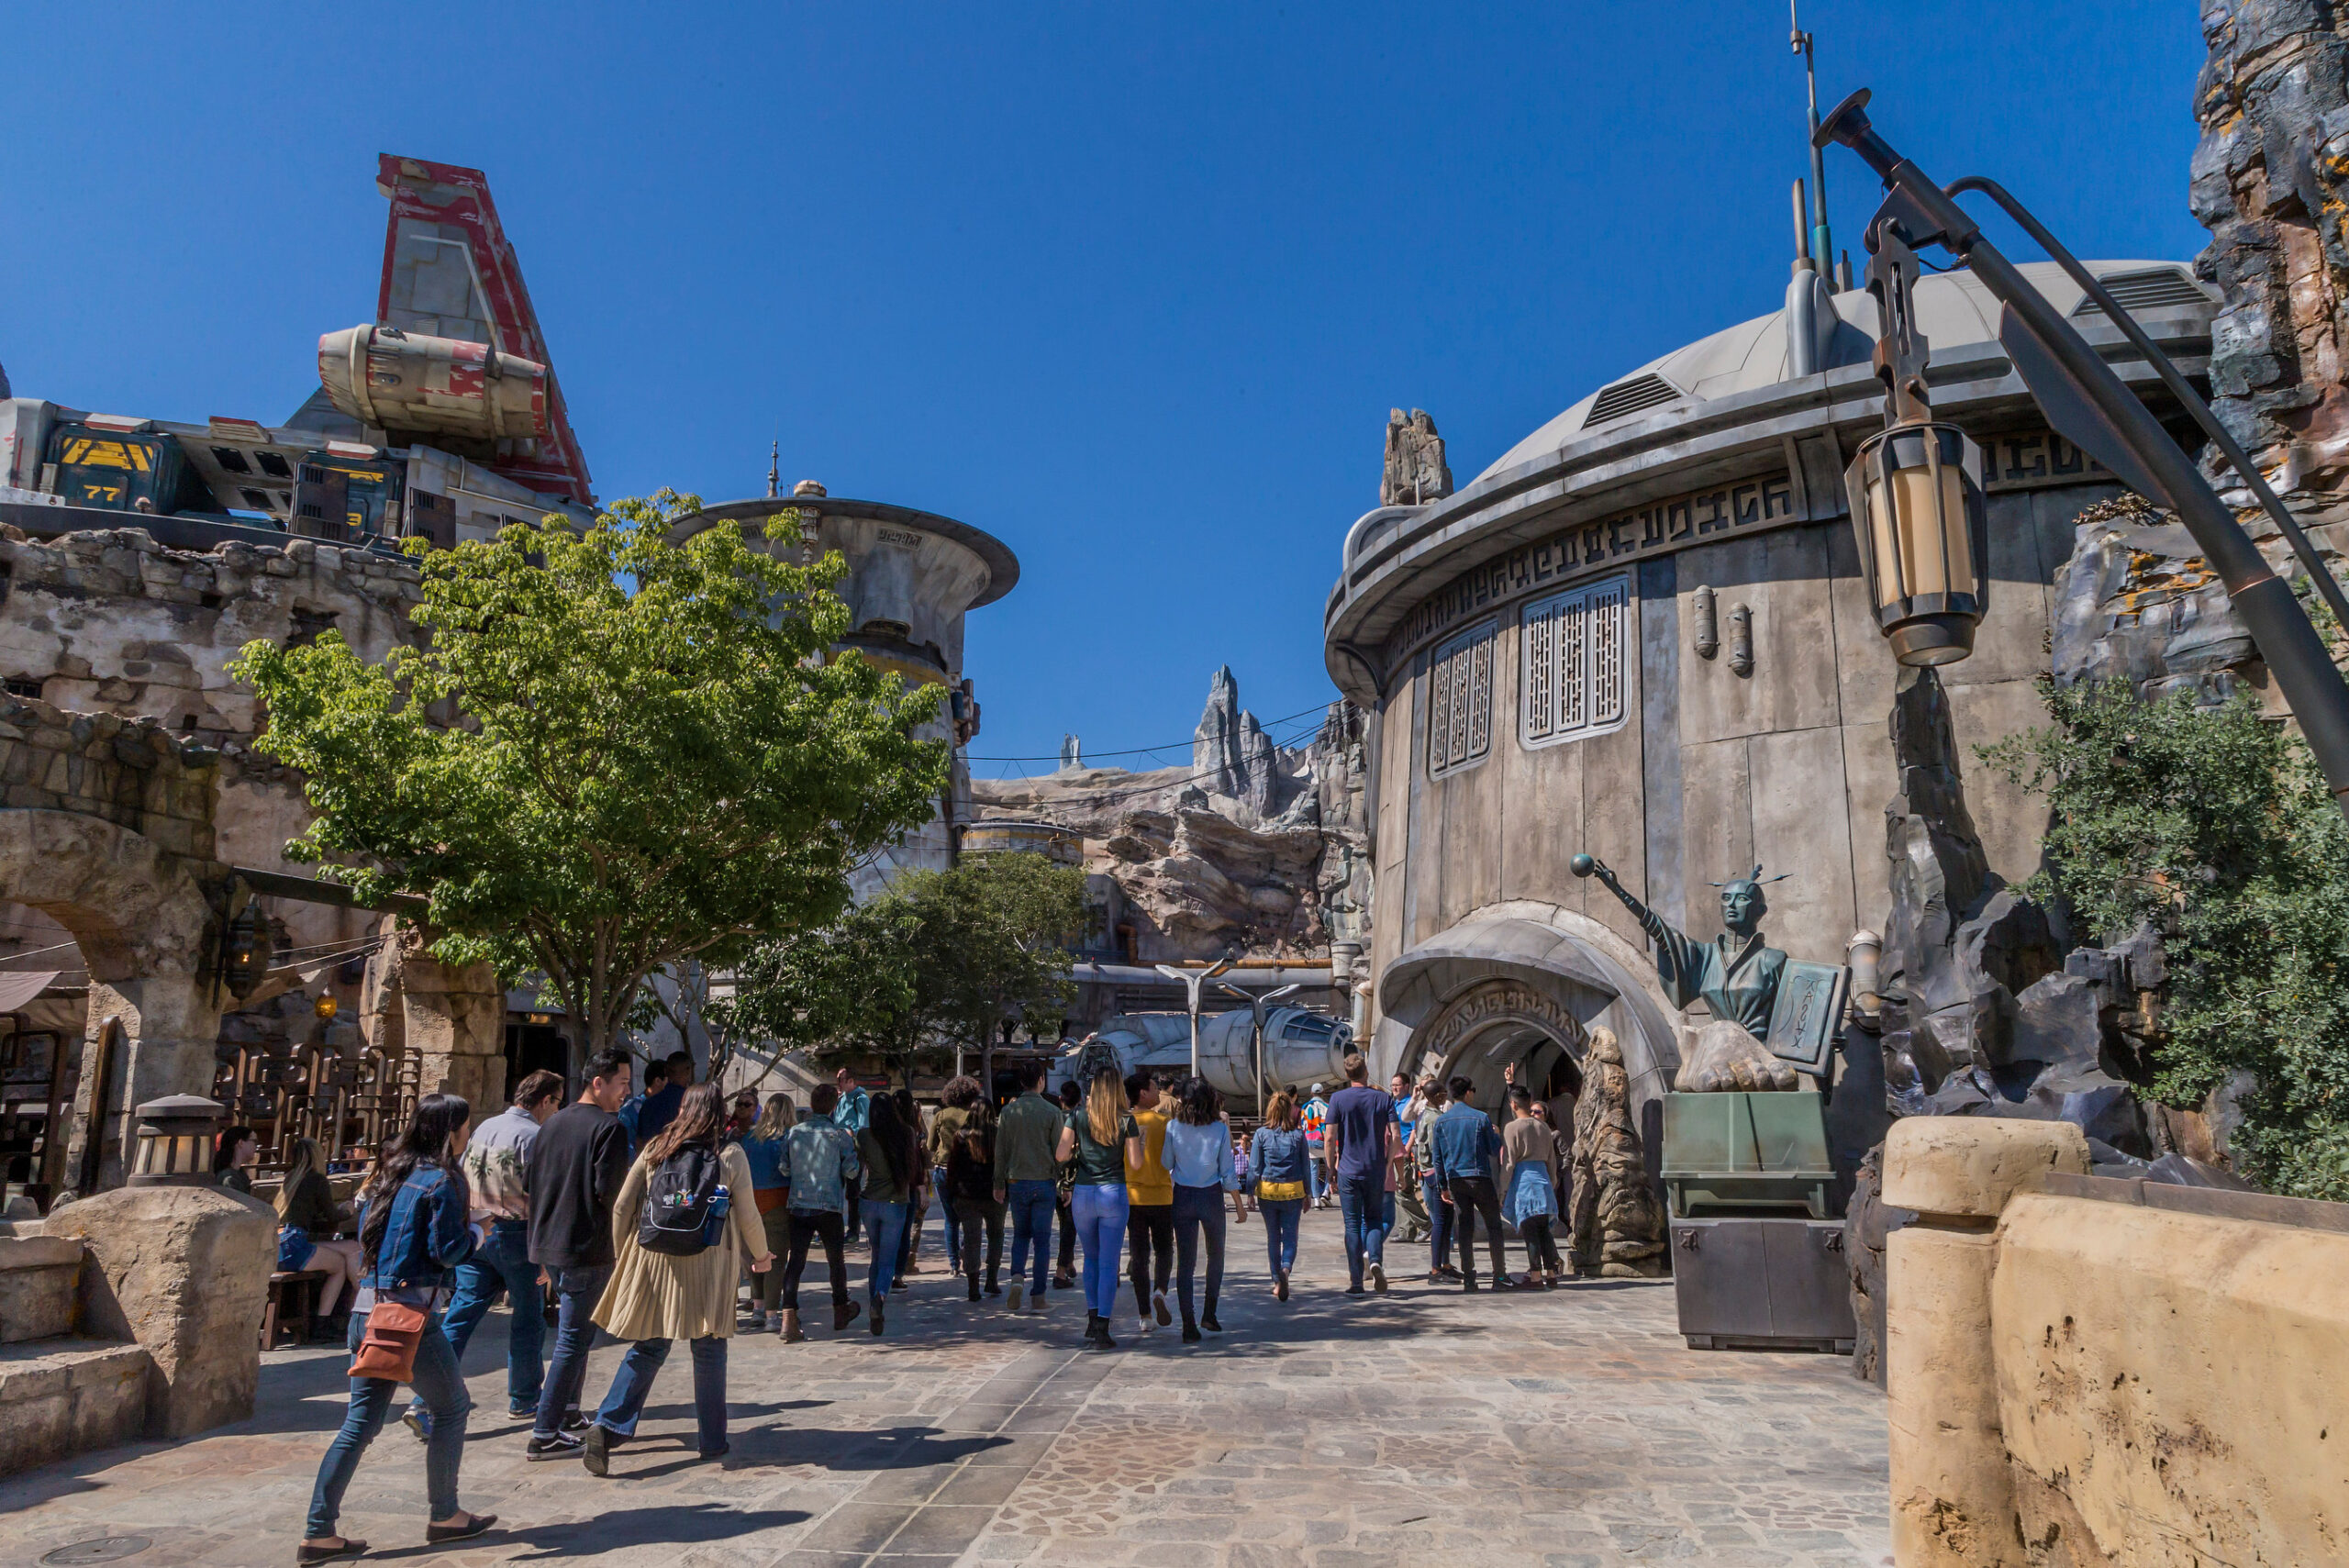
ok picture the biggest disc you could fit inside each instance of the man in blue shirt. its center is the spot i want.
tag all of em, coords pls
(852, 1116)
(1465, 1150)
(631, 1114)
(660, 1108)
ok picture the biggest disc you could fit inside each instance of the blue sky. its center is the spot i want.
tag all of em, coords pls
(1130, 286)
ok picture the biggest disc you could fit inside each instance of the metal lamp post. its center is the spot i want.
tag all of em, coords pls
(1192, 980)
(1256, 1006)
(2088, 404)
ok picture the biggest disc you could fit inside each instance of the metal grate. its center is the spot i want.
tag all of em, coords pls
(1628, 398)
(2160, 288)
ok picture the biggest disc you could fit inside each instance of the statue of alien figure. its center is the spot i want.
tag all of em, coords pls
(1736, 974)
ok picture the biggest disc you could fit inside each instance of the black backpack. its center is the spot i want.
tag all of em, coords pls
(679, 1201)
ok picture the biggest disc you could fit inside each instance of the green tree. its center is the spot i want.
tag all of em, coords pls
(935, 961)
(2214, 825)
(615, 752)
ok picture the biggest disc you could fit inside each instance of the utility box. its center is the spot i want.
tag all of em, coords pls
(1731, 1153)
(1763, 1285)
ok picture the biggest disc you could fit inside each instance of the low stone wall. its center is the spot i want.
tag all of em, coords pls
(2084, 1373)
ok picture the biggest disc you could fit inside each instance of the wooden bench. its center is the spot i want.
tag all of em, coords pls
(293, 1301)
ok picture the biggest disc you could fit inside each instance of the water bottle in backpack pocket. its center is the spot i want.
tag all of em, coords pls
(684, 1204)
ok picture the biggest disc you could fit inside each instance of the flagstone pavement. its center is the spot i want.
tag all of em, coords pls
(1568, 1429)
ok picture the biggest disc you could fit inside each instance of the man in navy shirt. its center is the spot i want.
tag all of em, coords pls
(1358, 1138)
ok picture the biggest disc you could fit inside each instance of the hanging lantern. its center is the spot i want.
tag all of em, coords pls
(246, 951)
(1924, 538)
(174, 1147)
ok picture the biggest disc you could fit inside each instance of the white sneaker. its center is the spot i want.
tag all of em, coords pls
(1378, 1278)
(1013, 1295)
(1143, 1325)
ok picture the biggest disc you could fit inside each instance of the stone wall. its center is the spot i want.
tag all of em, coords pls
(2086, 1372)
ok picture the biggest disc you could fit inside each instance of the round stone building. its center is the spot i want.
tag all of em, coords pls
(1642, 633)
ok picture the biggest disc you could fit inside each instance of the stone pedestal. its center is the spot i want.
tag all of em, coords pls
(1952, 1493)
(182, 1270)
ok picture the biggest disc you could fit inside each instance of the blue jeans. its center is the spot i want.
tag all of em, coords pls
(576, 1291)
(1031, 1204)
(1281, 1215)
(634, 1382)
(1197, 1209)
(888, 1223)
(1101, 1214)
(1313, 1170)
(1439, 1223)
(946, 1209)
(500, 1266)
(441, 1387)
(1369, 1209)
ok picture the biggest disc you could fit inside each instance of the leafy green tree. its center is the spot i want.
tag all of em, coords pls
(2214, 826)
(616, 753)
(933, 963)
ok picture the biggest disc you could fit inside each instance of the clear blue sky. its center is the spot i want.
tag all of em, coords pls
(1130, 286)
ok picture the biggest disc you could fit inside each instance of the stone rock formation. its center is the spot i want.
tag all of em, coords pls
(1254, 846)
(1617, 1224)
(2270, 181)
(1416, 471)
(182, 1270)
(1867, 1222)
(2136, 602)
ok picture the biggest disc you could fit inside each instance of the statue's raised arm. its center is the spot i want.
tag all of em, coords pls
(1736, 975)
(1679, 962)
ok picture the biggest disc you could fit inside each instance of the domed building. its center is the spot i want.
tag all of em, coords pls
(1642, 633)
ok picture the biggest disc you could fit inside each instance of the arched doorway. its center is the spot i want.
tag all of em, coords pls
(1496, 1025)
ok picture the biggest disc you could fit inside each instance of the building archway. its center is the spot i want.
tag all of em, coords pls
(1496, 1025)
(144, 928)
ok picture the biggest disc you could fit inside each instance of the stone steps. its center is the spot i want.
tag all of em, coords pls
(68, 1394)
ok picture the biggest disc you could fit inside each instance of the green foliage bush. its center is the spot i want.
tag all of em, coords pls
(2212, 824)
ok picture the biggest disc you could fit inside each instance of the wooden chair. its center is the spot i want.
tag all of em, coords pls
(293, 1300)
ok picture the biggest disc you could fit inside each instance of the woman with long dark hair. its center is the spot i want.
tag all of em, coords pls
(971, 1204)
(1104, 1140)
(890, 1153)
(1197, 1152)
(413, 1230)
(307, 1218)
(682, 1228)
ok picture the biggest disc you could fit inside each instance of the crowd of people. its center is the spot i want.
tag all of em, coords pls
(643, 1215)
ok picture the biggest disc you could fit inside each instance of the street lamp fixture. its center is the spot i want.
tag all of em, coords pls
(1257, 1002)
(2088, 404)
(1191, 980)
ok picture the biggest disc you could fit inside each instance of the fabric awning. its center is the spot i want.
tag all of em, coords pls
(18, 987)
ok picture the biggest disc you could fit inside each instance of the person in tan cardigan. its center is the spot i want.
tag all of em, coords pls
(655, 1297)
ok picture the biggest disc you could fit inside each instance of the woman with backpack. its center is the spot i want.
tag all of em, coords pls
(680, 1237)
(413, 1230)
(1276, 1161)
(890, 1153)
(970, 1187)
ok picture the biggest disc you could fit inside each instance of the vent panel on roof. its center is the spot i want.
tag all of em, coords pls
(2164, 288)
(1627, 397)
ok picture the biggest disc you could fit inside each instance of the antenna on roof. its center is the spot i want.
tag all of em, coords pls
(1823, 244)
(775, 471)
(1802, 231)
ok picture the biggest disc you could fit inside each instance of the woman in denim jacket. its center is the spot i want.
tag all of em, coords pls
(414, 1229)
(1276, 1170)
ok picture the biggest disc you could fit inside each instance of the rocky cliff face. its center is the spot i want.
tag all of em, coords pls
(2271, 183)
(1254, 846)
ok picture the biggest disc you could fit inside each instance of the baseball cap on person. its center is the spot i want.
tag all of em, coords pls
(1317, 1088)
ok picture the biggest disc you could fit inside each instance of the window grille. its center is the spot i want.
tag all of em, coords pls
(1575, 649)
(1460, 701)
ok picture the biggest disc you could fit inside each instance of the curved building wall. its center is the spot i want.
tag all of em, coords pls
(1531, 648)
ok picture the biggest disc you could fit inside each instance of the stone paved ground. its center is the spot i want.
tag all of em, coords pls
(1568, 1429)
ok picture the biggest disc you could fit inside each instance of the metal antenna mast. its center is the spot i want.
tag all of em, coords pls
(1822, 243)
